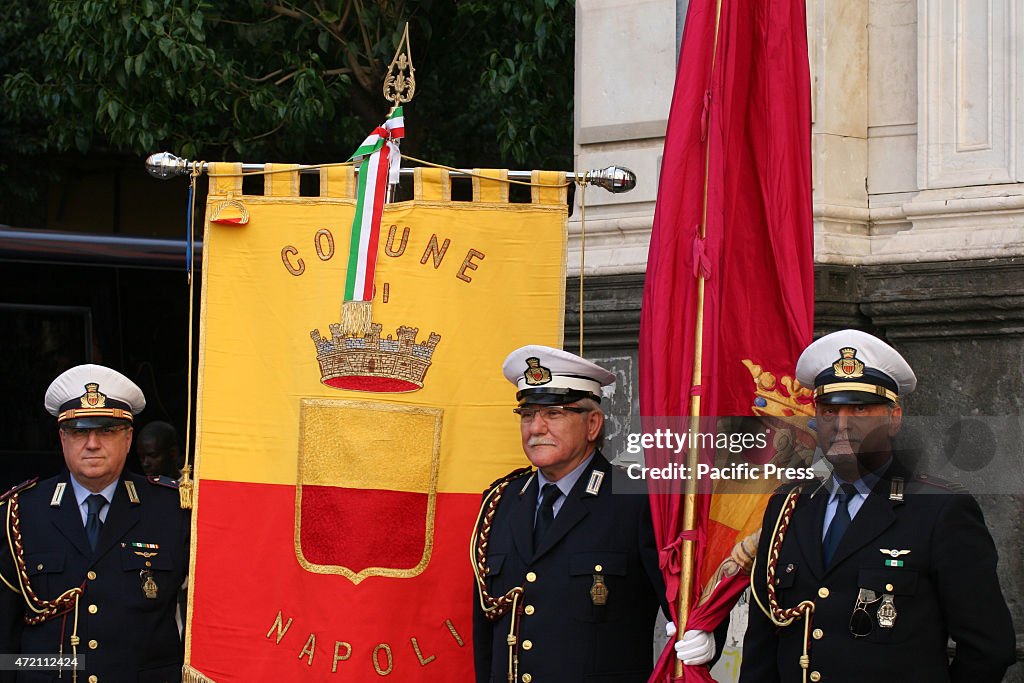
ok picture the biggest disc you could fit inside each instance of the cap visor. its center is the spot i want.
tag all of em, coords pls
(558, 397)
(93, 422)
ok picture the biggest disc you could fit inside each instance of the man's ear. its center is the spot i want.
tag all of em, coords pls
(595, 420)
(895, 420)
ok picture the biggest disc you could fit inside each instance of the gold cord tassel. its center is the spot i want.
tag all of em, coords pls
(356, 317)
(74, 644)
(513, 642)
(185, 487)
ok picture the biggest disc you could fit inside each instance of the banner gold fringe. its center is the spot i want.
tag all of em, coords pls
(190, 675)
(356, 317)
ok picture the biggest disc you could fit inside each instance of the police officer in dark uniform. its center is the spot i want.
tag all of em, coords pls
(865, 576)
(567, 573)
(92, 561)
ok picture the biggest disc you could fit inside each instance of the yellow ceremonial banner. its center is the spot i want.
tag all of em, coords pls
(339, 475)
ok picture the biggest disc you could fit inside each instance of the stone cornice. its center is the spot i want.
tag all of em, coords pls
(611, 311)
(977, 298)
(931, 226)
(919, 301)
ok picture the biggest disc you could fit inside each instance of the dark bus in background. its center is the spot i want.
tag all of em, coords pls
(68, 298)
(92, 270)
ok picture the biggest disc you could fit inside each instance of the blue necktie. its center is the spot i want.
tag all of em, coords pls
(840, 523)
(95, 503)
(546, 514)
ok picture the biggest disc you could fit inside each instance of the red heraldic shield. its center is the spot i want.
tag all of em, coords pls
(361, 511)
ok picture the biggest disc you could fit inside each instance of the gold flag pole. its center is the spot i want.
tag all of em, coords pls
(692, 456)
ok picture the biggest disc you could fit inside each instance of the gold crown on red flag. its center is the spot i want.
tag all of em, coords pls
(778, 397)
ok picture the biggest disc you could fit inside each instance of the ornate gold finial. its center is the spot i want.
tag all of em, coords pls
(400, 80)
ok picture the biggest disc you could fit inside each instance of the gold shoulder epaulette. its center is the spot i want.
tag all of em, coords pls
(19, 488)
(509, 477)
(938, 482)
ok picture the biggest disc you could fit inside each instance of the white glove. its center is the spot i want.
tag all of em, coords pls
(696, 647)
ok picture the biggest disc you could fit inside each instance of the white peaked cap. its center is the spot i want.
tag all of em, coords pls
(850, 366)
(553, 377)
(93, 396)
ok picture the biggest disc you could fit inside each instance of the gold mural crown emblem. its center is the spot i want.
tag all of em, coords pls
(848, 366)
(92, 398)
(370, 363)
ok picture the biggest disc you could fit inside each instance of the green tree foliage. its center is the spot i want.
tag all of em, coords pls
(500, 77)
(262, 80)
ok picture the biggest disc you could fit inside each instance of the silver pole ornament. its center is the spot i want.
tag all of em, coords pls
(165, 165)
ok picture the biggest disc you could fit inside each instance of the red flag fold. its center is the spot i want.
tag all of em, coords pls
(737, 162)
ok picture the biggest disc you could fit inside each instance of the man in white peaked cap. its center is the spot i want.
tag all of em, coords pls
(92, 560)
(886, 573)
(567, 571)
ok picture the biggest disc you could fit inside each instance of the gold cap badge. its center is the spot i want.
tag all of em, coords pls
(535, 372)
(92, 398)
(848, 366)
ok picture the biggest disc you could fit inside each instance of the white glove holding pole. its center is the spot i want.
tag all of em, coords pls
(695, 647)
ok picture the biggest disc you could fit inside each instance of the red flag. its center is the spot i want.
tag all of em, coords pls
(737, 170)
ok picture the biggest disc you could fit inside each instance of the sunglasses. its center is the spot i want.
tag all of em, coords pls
(861, 623)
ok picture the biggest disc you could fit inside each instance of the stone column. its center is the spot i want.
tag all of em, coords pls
(625, 72)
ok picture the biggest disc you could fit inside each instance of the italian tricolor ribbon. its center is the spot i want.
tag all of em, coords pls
(379, 164)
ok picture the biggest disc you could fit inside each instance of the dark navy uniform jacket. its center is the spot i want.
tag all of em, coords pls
(124, 636)
(564, 637)
(947, 586)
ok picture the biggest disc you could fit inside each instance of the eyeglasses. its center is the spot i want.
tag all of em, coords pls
(550, 414)
(82, 433)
